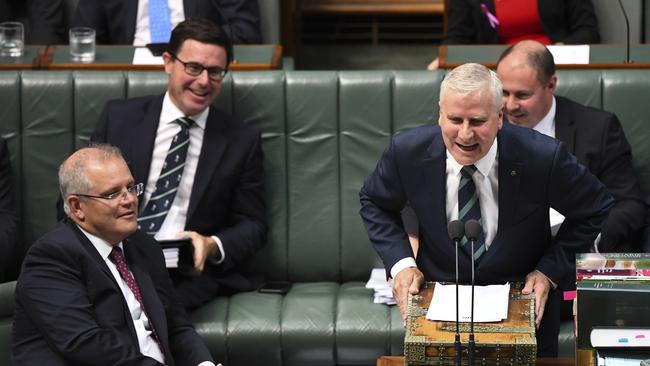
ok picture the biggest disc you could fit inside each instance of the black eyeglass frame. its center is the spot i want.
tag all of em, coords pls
(218, 72)
(135, 189)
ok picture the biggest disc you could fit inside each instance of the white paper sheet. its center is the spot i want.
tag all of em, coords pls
(490, 303)
(142, 56)
(575, 54)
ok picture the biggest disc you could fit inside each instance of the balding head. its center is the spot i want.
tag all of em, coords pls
(527, 72)
(532, 54)
(99, 192)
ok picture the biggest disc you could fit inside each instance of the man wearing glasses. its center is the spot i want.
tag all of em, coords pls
(95, 291)
(202, 170)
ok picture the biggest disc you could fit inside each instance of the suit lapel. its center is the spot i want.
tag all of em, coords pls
(144, 137)
(94, 254)
(214, 146)
(155, 309)
(433, 169)
(565, 130)
(510, 171)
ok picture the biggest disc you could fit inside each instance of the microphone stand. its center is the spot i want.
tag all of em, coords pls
(457, 347)
(471, 344)
(627, 29)
(456, 231)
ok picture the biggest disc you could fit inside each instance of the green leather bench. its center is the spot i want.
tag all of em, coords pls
(323, 133)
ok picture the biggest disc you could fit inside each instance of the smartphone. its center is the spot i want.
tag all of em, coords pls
(275, 287)
(157, 49)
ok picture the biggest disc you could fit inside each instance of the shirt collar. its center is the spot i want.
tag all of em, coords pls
(102, 246)
(483, 165)
(170, 113)
(547, 124)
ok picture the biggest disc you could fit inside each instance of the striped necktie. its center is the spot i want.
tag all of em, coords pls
(153, 215)
(469, 207)
(160, 26)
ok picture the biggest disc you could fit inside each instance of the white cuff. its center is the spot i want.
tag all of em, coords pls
(223, 254)
(206, 363)
(402, 264)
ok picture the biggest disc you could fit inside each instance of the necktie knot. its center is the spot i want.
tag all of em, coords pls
(185, 122)
(116, 255)
(468, 171)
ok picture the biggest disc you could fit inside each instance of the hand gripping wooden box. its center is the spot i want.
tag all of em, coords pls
(509, 342)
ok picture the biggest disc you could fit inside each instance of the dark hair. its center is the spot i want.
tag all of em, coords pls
(202, 30)
(540, 59)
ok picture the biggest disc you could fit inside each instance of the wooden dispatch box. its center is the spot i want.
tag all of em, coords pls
(509, 342)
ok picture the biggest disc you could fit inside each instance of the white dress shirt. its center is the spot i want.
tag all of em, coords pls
(146, 342)
(486, 179)
(176, 218)
(142, 35)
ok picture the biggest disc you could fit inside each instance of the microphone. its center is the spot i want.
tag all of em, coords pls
(456, 231)
(627, 29)
(473, 231)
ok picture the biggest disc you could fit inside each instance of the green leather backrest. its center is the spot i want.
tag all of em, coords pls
(323, 132)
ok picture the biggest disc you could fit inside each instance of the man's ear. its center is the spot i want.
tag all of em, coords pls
(74, 204)
(168, 61)
(552, 83)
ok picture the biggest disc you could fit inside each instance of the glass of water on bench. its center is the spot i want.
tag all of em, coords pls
(82, 44)
(12, 38)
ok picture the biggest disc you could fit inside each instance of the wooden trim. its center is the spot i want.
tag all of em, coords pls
(328, 8)
(544, 361)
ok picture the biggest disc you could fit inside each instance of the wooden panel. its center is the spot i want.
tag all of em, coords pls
(373, 6)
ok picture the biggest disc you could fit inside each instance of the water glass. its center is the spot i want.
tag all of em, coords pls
(82, 44)
(12, 39)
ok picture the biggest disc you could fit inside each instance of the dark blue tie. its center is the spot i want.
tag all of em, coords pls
(469, 207)
(153, 215)
(160, 25)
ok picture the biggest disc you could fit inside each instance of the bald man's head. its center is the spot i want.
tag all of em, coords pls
(527, 72)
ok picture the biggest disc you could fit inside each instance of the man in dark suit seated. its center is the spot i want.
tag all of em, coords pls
(202, 169)
(129, 22)
(594, 136)
(95, 291)
(472, 166)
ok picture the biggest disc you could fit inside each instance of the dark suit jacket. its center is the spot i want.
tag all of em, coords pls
(71, 311)
(596, 138)
(48, 21)
(227, 198)
(568, 21)
(114, 20)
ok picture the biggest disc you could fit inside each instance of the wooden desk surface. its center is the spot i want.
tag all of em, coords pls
(247, 57)
(399, 361)
(601, 56)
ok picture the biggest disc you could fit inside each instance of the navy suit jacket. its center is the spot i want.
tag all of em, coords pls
(114, 20)
(568, 21)
(227, 198)
(71, 311)
(597, 139)
(535, 172)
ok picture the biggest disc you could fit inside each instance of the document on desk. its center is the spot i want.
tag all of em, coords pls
(142, 56)
(490, 303)
(574, 54)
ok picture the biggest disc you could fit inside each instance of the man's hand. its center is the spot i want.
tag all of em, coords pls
(408, 280)
(538, 284)
(204, 246)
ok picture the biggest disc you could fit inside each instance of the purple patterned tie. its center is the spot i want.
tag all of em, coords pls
(117, 258)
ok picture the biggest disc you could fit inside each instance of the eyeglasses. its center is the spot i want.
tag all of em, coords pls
(215, 73)
(135, 189)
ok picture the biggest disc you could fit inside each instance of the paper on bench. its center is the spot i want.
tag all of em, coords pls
(490, 303)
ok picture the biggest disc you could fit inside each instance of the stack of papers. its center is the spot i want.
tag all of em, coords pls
(490, 303)
(171, 257)
(383, 288)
